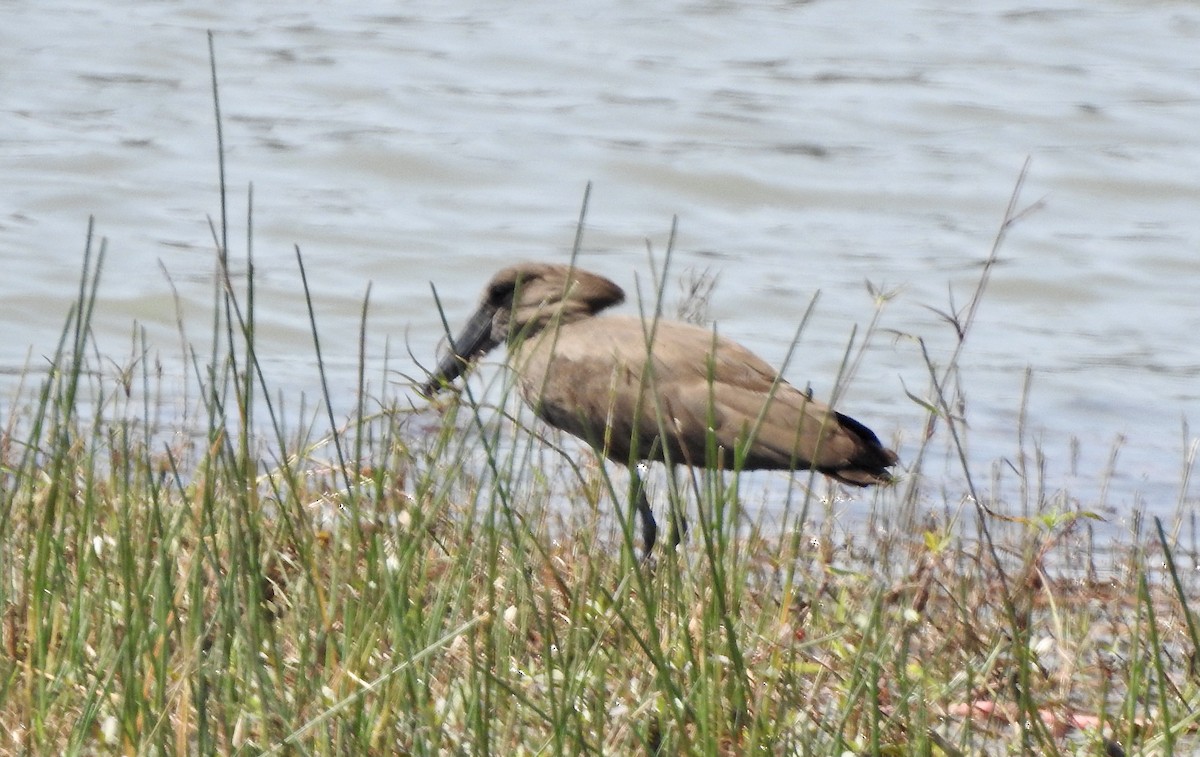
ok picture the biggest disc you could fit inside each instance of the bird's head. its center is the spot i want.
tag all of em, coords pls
(519, 302)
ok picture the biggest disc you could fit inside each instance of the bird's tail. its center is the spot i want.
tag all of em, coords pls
(869, 465)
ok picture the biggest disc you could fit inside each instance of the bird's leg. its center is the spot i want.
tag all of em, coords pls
(649, 527)
(679, 525)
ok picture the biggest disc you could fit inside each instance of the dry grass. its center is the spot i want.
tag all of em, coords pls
(460, 587)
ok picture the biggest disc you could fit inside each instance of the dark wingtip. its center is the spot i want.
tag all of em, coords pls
(870, 466)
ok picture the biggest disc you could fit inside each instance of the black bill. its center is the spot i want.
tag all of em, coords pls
(474, 340)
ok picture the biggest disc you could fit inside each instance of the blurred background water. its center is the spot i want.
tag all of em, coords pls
(805, 147)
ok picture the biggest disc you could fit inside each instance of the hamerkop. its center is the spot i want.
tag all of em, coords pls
(597, 379)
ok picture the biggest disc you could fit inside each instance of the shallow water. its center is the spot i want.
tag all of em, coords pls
(804, 148)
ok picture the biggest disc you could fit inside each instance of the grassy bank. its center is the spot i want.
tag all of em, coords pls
(431, 583)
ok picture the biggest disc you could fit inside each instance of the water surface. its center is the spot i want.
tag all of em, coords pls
(804, 147)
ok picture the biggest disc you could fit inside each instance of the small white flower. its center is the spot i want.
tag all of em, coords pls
(110, 730)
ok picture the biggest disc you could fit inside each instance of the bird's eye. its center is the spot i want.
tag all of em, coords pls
(501, 293)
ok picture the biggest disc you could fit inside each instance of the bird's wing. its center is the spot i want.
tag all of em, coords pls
(786, 430)
(593, 382)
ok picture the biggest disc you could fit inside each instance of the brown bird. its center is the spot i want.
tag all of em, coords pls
(637, 389)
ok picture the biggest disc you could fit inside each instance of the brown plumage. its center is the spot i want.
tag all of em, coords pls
(591, 378)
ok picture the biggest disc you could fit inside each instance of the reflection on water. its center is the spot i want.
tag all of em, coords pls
(803, 150)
